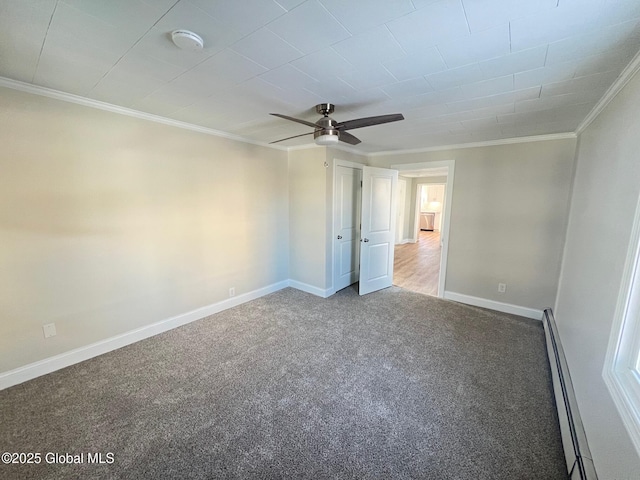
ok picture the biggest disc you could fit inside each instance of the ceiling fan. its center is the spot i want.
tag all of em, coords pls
(327, 131)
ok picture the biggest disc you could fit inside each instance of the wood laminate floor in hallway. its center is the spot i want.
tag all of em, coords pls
(416, 265)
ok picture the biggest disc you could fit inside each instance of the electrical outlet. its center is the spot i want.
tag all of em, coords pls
(232, 292)
(502, 287)
(49, 330)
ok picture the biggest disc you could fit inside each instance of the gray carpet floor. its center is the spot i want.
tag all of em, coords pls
(392, 385)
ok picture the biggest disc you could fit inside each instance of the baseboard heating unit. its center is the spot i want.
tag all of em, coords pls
(574, 440)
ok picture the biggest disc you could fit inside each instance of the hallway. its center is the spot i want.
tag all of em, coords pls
(416, 265)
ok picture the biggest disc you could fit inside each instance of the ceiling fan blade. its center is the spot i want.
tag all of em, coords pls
(369, 121)
(348, 138)
(289, 138)
(297, 120)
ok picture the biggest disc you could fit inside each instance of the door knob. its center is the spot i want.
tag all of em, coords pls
(339, 237)
(365, 240)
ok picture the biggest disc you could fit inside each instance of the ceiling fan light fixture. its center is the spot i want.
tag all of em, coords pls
(326, 137)
(326, 131)
(186, 40)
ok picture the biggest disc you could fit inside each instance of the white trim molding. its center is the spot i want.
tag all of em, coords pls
(337, 162)
(624, 77)
(88, 102)
(487, 143)
(66, 359)
(494, 305)
(305, 287)
(342, 148)
(621, 370)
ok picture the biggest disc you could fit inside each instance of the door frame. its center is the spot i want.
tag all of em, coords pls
(444, 232)
(400, 238)
(339, 163)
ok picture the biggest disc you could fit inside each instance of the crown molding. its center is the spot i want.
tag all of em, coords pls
(488, 143)
(622, 80)
(336, 147)
(306, 146)
(344, 148)
(88, 102)
(625, 76)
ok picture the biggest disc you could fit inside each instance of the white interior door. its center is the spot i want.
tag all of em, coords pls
(346, 226)
(378, 228)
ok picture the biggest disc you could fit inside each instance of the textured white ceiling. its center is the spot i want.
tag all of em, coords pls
(459, 70)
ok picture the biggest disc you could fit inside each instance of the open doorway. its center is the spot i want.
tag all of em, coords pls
(420, 255)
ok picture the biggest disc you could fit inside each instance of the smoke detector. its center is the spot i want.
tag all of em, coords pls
(187, 40)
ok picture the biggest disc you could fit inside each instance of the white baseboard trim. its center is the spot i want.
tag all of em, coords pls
(405, 240)
(66, 359)
(77, 355)
(319, 292)
(493, 305)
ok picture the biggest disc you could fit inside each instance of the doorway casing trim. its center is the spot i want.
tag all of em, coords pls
(444, 233)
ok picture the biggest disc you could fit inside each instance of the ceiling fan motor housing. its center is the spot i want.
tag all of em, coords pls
(328, 133)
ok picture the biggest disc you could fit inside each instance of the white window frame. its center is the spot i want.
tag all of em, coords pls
(622, 363)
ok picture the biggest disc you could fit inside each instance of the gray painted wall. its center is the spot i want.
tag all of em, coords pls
(311, 213)
(508, 218)
(110, 223)
(605, 194)
(307, 216)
